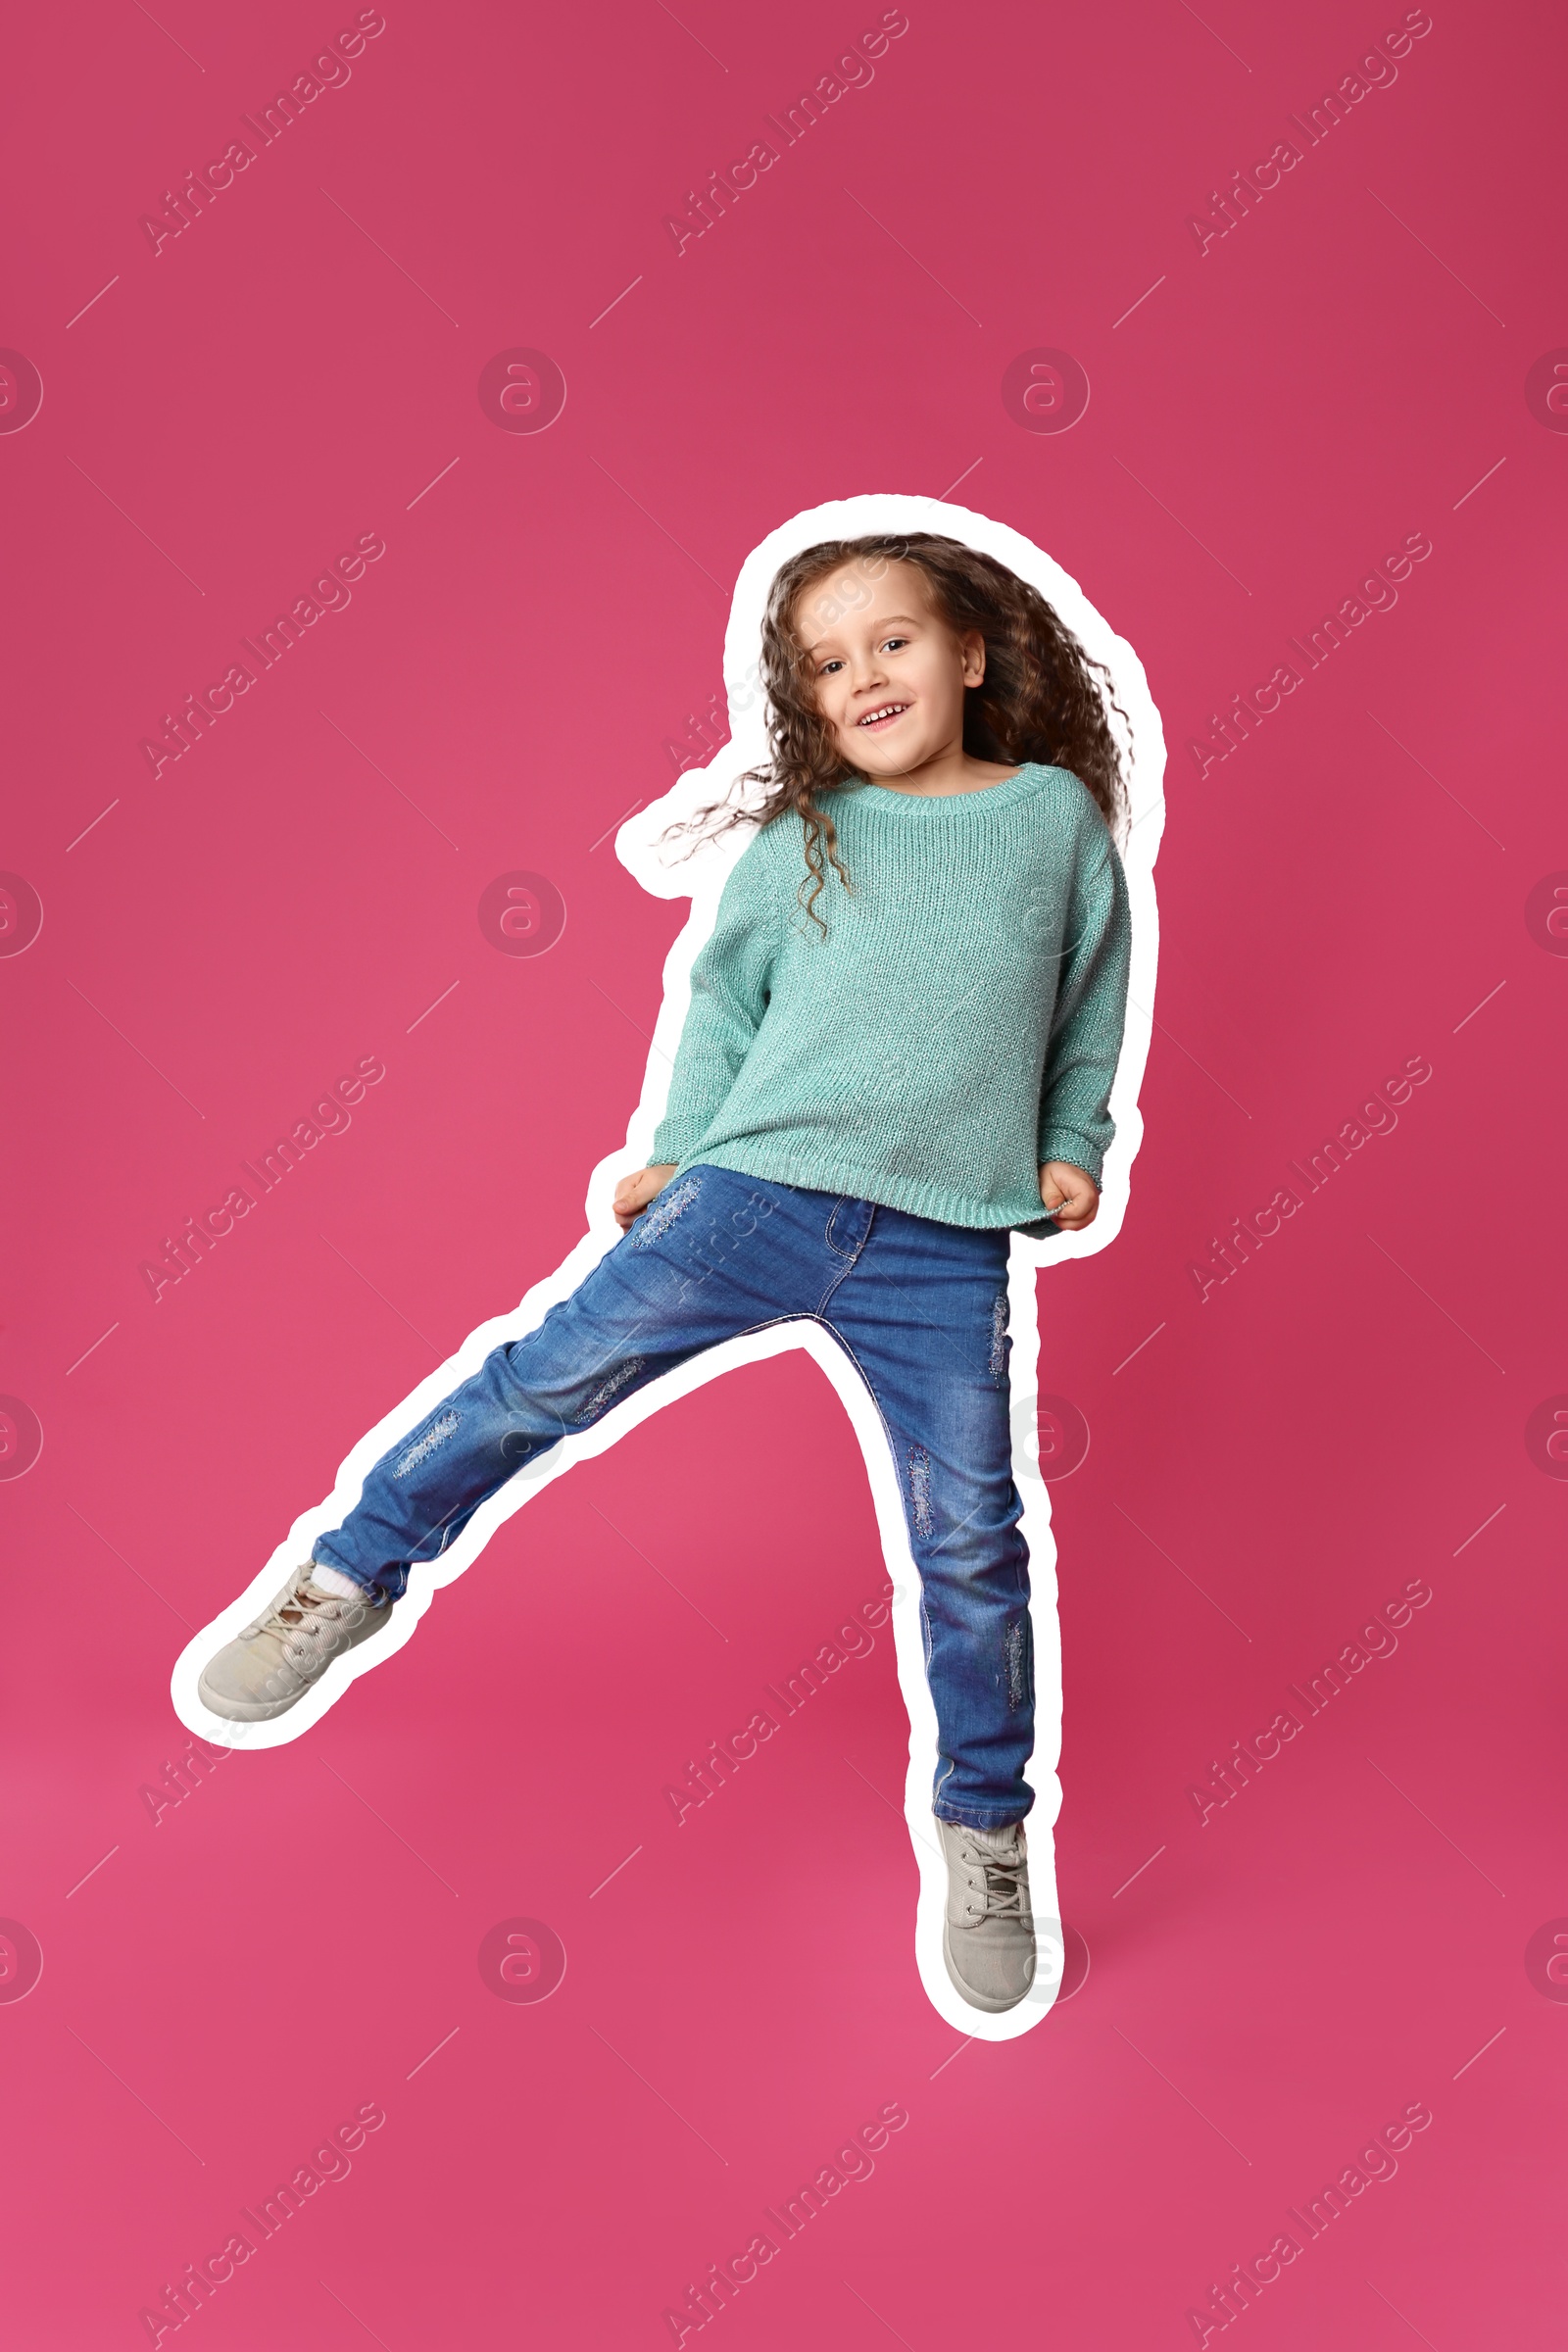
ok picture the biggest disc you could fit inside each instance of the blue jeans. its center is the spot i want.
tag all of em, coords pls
(920, 1308)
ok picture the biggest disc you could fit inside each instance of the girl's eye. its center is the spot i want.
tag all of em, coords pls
(833, 663)
(892, 644)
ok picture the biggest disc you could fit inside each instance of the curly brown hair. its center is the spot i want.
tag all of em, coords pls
(1039, 700)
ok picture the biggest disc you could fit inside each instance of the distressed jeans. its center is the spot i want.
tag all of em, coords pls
(921, 1311)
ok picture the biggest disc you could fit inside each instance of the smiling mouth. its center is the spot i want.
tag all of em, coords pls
(882, 717)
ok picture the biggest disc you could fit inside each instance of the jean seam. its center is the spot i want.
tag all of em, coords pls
(970, 1821)
(820, 1315)
(851, 1258)
(926, 1643)
(827, 1232)
(958, 1350)
(963, 1819)
(846, 1270)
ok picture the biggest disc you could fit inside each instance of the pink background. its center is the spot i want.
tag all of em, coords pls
(224, 1986)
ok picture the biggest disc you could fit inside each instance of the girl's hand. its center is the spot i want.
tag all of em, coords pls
(1069, 1195)
(633, 1194)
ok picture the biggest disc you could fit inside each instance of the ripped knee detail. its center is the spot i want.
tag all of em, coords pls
(919, 1469)
(437, 1433)
(611, 1387)
(670, 1205)
(1017, 1650)
(999, 1342)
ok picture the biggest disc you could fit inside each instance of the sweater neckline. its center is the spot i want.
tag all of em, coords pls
(924, 807)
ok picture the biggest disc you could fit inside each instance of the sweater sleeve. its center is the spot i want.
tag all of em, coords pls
(730, 980)
(1086, 1033)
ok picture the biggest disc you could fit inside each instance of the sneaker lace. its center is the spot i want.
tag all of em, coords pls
(1001, 1878)
(295, 1618)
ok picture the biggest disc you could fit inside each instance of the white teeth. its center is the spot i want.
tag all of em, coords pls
(887, 710)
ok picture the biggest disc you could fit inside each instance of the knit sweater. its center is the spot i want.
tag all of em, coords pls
(958, 1023)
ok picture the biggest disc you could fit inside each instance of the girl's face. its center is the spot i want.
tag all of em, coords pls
(889, 672)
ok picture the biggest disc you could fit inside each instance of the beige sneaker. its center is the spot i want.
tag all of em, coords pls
(284, 1651)
(988, 1936)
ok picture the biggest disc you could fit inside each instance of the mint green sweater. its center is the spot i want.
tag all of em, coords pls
(958, 1024)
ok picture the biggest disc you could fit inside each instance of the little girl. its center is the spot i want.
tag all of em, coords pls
(901, 1045)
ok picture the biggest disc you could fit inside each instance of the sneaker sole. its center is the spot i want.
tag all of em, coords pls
(993, 2004)
(253, 1710)
(266, 1710)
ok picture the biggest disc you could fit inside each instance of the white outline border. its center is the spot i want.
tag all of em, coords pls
(701, 877)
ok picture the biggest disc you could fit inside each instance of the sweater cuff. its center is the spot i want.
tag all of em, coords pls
(671, 1141)
(1065, 1143)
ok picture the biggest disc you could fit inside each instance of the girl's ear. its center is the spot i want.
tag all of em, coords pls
(972, 645)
